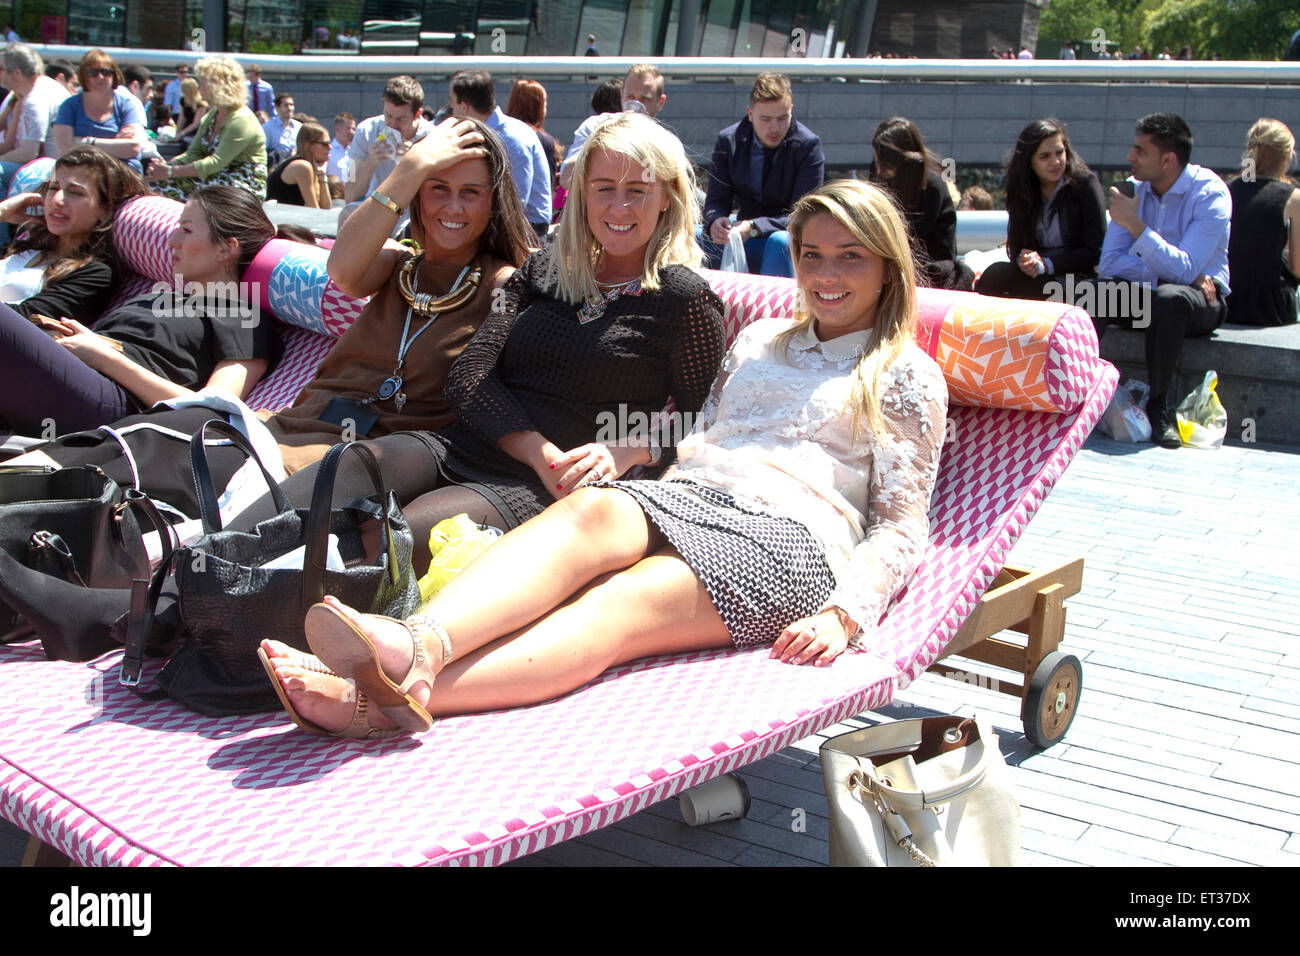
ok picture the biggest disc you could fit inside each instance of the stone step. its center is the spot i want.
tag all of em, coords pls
(1259, 375)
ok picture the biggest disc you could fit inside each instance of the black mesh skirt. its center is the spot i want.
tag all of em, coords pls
(762, 571)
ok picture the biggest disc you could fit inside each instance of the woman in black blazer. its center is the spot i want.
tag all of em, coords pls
(1056, 217)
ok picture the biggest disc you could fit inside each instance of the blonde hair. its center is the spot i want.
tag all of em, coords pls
(224, 79)
(769, 87)
(647, 71)
(576, 253)
(874, 218)
(1270, 145)
(190, 93)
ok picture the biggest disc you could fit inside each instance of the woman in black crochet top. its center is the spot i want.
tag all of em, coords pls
(594, 333)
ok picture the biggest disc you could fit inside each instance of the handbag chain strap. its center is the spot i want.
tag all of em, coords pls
(894, 823)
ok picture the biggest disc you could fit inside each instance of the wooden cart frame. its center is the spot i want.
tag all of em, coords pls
(1031, 603)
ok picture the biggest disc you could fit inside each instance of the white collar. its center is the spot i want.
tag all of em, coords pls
(839, 349)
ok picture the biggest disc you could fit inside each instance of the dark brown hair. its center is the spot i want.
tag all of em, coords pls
(508, 236)
(404, 91)
(897, 143)
(114, 184)
(233, 213)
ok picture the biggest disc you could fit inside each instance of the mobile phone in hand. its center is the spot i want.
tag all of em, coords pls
(1127, 187)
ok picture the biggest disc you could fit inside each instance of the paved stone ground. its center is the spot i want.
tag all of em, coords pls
(1186, 750)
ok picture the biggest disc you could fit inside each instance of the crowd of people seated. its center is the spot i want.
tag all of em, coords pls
(497, 335)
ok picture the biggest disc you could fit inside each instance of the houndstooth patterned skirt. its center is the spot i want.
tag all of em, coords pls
(762, 571)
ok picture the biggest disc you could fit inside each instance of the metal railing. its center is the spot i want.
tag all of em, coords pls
(969, 71)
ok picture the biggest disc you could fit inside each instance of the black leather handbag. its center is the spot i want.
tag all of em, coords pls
(228, 600)
(70, 546)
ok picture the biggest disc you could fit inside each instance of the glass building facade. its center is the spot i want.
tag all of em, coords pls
(715, 28)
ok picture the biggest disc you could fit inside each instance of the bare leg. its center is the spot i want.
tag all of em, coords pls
(541, 564)
(657, 606)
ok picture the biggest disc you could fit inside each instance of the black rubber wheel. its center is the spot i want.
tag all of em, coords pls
(1052, 698)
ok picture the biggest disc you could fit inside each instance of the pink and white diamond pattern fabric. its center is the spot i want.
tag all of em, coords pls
(304, 350)
(485, 788)
(141, 230)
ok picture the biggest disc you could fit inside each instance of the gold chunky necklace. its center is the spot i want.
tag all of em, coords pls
(428, 304)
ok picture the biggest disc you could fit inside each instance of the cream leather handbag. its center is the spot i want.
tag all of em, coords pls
(927, 792)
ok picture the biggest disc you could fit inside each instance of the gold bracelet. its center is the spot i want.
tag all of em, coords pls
(386, 202)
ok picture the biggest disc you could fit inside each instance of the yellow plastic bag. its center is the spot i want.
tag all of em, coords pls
(454, 543)
(1202, 419)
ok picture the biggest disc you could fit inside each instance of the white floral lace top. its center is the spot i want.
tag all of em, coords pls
(775, 431)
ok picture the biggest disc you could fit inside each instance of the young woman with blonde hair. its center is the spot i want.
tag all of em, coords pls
(1264, 244)
(193, 108)
(796, 513)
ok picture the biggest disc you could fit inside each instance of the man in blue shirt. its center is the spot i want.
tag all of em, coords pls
(172, 91)
(761, 167)
(472, 95)
(1173, 234)
(281, 131)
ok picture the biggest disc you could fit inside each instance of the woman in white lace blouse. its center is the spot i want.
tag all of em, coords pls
(797, 511)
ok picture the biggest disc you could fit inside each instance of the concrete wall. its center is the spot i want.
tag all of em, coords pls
(975, 123)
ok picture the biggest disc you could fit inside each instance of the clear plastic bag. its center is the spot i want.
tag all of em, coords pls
(454, 542)
(1202, 419)
(733, 254)
(1124, 419)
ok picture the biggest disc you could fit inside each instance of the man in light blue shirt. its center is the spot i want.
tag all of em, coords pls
(281, 131)
(1173, 234)
(172, 91)
(472, 95)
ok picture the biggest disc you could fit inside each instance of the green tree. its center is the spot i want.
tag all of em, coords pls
(1119, 21)
(1234, 29)
(1079, 20)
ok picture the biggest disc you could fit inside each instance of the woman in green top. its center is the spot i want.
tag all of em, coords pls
(229, 148)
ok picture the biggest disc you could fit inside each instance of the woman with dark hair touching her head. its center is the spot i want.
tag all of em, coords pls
(905, 168)
(157, 347)
(1056, 216)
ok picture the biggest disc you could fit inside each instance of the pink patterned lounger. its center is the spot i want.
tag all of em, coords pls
(110, 780)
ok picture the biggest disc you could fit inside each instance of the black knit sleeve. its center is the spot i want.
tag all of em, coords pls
(473, 387)
(694, 360)
(83, 295)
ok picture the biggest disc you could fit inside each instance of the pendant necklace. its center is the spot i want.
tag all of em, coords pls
(426, 304)
(591, 311)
